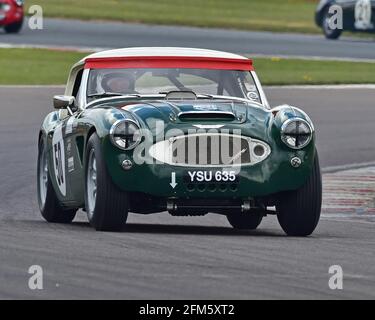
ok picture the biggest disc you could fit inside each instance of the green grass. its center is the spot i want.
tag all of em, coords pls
(271, 15)
(294, 71)
(36, 66)
(44, 67)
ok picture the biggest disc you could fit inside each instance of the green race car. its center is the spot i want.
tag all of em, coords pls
(188, 131)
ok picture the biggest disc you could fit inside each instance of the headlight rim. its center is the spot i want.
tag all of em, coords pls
(285, 125)
(113, 128)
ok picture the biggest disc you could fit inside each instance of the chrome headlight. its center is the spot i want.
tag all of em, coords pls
(125, 134)
(296, 133)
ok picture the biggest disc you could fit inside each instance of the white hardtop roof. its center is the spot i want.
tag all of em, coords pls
(164, 52)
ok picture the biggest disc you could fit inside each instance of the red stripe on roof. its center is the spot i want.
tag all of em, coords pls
(169, 62)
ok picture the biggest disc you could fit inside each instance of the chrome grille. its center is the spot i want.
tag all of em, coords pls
(208, 150)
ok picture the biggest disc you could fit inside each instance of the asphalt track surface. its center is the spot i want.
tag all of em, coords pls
(94, 34)
(163, 257)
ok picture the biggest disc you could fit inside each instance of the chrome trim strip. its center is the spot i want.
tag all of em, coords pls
(83, 89)
(263, 97)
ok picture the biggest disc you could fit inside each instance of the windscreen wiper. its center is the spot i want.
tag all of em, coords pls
(105, 94)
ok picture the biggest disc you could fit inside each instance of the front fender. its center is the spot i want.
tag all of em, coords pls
(101, 119)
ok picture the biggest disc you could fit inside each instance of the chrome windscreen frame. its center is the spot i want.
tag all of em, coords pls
(82, 103)
(263, 97)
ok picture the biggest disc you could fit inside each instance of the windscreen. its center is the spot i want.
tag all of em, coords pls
(155, 81)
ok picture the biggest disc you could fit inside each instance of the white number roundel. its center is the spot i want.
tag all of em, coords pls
(362, 14)
(59, 159)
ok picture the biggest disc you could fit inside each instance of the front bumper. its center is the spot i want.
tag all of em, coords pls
(14, 15)
(273, 175)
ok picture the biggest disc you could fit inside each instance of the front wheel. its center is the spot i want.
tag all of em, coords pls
(106, 205)
(245, 221)
(49, 205)
(14, 27)
(298, 211)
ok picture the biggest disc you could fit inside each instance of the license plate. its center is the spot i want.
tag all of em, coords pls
(211, 176)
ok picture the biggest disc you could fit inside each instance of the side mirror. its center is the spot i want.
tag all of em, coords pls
(64, 102)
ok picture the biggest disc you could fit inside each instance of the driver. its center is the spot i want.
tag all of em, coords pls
(118, 83)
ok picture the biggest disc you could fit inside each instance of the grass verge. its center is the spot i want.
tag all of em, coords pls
(276, 71)
(36, 66)
(47, 67)
(269, 15)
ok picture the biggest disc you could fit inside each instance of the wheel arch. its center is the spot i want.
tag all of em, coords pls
(40, 135)
(83, 146)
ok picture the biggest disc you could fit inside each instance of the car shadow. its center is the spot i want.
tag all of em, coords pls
(170, 229)
(187, 230)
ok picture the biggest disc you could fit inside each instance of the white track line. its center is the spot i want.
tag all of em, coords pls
(315, 58)
(51, 47)
(324, 87)
(250, 55)
(347, 167)
(21, 86)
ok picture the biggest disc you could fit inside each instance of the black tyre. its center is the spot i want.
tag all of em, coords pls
(106, 205)
(49, 205)
(245, 221)
(298, 211)
(14, 27)
(329, 33)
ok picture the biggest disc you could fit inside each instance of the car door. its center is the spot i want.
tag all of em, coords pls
(73, 150)
(73, 164)
(65, 156)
